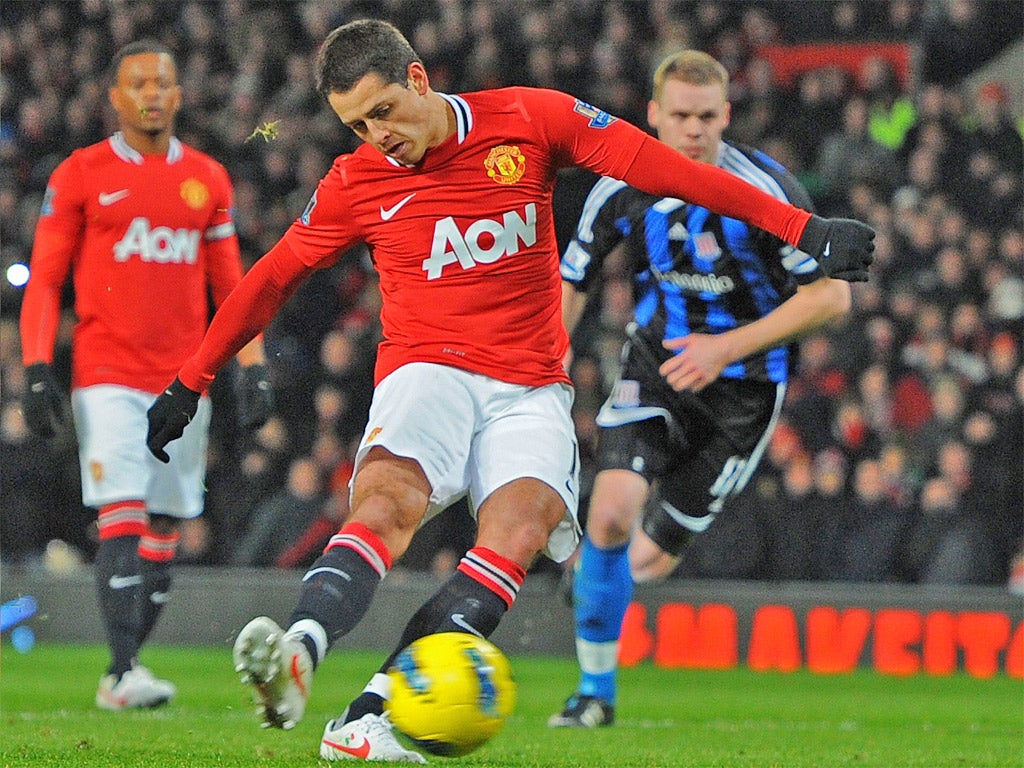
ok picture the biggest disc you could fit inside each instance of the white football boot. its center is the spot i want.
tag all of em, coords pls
(278, 668)
(137, 689)
(371, 737)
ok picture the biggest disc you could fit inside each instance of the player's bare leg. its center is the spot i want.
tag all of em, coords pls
(514, 525)
(647, 561)
(390, 497)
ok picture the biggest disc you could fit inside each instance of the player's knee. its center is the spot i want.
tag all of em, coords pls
(648, 561)
(517, 520)
(609, 526)
(390, 496)
(653, 566)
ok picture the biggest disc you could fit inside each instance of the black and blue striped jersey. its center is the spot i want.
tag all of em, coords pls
(695, 271)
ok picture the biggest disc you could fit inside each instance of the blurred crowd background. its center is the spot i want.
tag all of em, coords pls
(899, 457)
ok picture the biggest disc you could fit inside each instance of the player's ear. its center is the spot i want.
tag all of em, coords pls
(417, 78)
(116, 98)
(652, 114)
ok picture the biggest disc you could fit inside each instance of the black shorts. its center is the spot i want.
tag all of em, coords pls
(698, 448)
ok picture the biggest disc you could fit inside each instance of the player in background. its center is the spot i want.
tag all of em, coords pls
(143, 224)
(703, 373)
(453, 194)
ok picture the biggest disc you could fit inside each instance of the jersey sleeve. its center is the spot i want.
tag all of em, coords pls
(598, 231)
(224, 257)
(661, 170)
(326, 229)
(592, 138)
(582, 135)
(57, 235)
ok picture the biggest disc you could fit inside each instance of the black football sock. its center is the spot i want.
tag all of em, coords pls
(156, 551)
(338, 588)
(119, 583)
(473, 600)
(156, 588)
(365, 703)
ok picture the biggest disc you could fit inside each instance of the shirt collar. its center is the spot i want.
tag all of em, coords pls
(119, 144)
(463, 121)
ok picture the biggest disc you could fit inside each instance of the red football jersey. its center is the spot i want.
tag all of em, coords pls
(464, 241)
(147, 239)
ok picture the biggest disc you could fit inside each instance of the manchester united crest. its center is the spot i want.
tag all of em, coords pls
(194, 193)
(505, 164)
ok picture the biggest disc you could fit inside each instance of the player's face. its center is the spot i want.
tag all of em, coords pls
(393, 117)
(146, 94)
(690, 118)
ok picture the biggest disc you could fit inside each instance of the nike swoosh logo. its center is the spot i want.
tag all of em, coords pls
(296, 671)
(123, 582)
(387, 213)
(828, 250)
(459, 620)
(362, 751)
(109, 198)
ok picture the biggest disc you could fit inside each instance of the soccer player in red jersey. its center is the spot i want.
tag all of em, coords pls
(453, 195)
(143, 224)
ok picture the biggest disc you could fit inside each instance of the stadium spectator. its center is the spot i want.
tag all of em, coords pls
(142, 224)
(863, 541)
(851, 155)
(278, 521)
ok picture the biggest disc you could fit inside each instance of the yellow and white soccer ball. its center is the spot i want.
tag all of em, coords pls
(451, 692)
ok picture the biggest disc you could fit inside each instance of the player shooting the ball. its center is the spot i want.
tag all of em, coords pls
(453, 194)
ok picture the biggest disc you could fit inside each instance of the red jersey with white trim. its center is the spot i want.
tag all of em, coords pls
(147, 239)
(464, 241)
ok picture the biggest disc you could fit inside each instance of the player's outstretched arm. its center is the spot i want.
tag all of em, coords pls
(844, 247)
(245, 313)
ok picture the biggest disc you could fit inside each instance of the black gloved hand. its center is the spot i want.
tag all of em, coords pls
(845, 248)
(41, 404)
(169, 416)
(254, 396)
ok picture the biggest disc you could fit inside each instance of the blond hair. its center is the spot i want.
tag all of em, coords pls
(689, 66)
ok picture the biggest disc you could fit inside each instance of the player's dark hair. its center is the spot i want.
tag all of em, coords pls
(146, 45)
(358, 48)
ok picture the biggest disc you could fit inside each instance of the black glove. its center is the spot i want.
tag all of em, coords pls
(169, 416)
(845, 248)
(41, 404)
(254, 396)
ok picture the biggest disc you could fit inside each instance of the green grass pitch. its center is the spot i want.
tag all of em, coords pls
(730, 719)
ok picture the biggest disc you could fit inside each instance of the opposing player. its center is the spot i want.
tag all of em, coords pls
(703, 375)
(453, 194)
(143, 224)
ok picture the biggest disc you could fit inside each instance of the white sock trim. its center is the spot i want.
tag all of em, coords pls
(597, 658)
(314, 630)
(379, 684)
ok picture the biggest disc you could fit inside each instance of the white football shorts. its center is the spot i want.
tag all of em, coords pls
(116, 465)
(473, 434)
